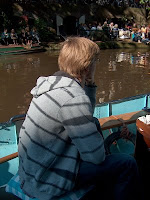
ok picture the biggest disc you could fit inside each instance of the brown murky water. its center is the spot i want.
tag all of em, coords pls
(119, 74)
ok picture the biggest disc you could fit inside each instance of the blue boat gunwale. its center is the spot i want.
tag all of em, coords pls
(16, 118)
(123, 99)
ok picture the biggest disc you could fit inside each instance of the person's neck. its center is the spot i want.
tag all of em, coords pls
(79, 80)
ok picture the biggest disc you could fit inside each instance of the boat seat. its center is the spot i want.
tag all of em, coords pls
(13, 187)
(8, 145)
(118, 120)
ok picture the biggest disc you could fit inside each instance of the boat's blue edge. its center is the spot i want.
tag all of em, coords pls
(122, 100)
(107, 109)
(17, 117)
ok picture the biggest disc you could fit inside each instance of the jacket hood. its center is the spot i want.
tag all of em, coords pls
(45, 84)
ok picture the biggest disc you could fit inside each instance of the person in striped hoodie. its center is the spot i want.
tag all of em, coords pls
(60, 147)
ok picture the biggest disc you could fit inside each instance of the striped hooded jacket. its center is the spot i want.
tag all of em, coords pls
(57, 133)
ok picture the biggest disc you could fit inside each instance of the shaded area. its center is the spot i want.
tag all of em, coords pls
(7, 196)
(142, 156)
(70, 25)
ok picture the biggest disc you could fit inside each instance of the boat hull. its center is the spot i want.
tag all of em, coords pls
(19, 50)
(113, 116)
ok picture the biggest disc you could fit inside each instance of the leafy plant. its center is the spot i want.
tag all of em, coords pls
(146, 5)
(6, 21)
(45, 33)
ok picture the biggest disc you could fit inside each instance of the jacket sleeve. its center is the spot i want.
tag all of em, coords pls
(77, 119)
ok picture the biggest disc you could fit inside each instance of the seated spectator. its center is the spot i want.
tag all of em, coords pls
(134, 28)
(132, 35)
(111, 26)
(99, 27)
(28, 36)
(106, 29)
(148, 31)
(22, 37)
(93, 30)
(115, 31)
(35, 36)
(13, 36)
(128, 26)
(143, 32)
(84, 30)
(137, 36)
(5, 37)
(89, 26)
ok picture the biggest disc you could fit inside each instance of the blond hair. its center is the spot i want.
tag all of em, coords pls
(77, 54)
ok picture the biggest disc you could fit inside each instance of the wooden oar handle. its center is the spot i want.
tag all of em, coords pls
(9, 157)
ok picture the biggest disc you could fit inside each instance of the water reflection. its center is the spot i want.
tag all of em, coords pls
(119, 74)
(138, 60)
(122, 74)
(13, 63)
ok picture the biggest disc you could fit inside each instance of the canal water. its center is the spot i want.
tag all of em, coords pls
(119, 74)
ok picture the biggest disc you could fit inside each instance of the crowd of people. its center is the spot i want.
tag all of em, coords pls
(137, 33)
(141, 33)
(110, 29)
(25, 37)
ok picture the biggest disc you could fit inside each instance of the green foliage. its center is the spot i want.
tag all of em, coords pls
(145, 3)
(44, 32)
(6, 22)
